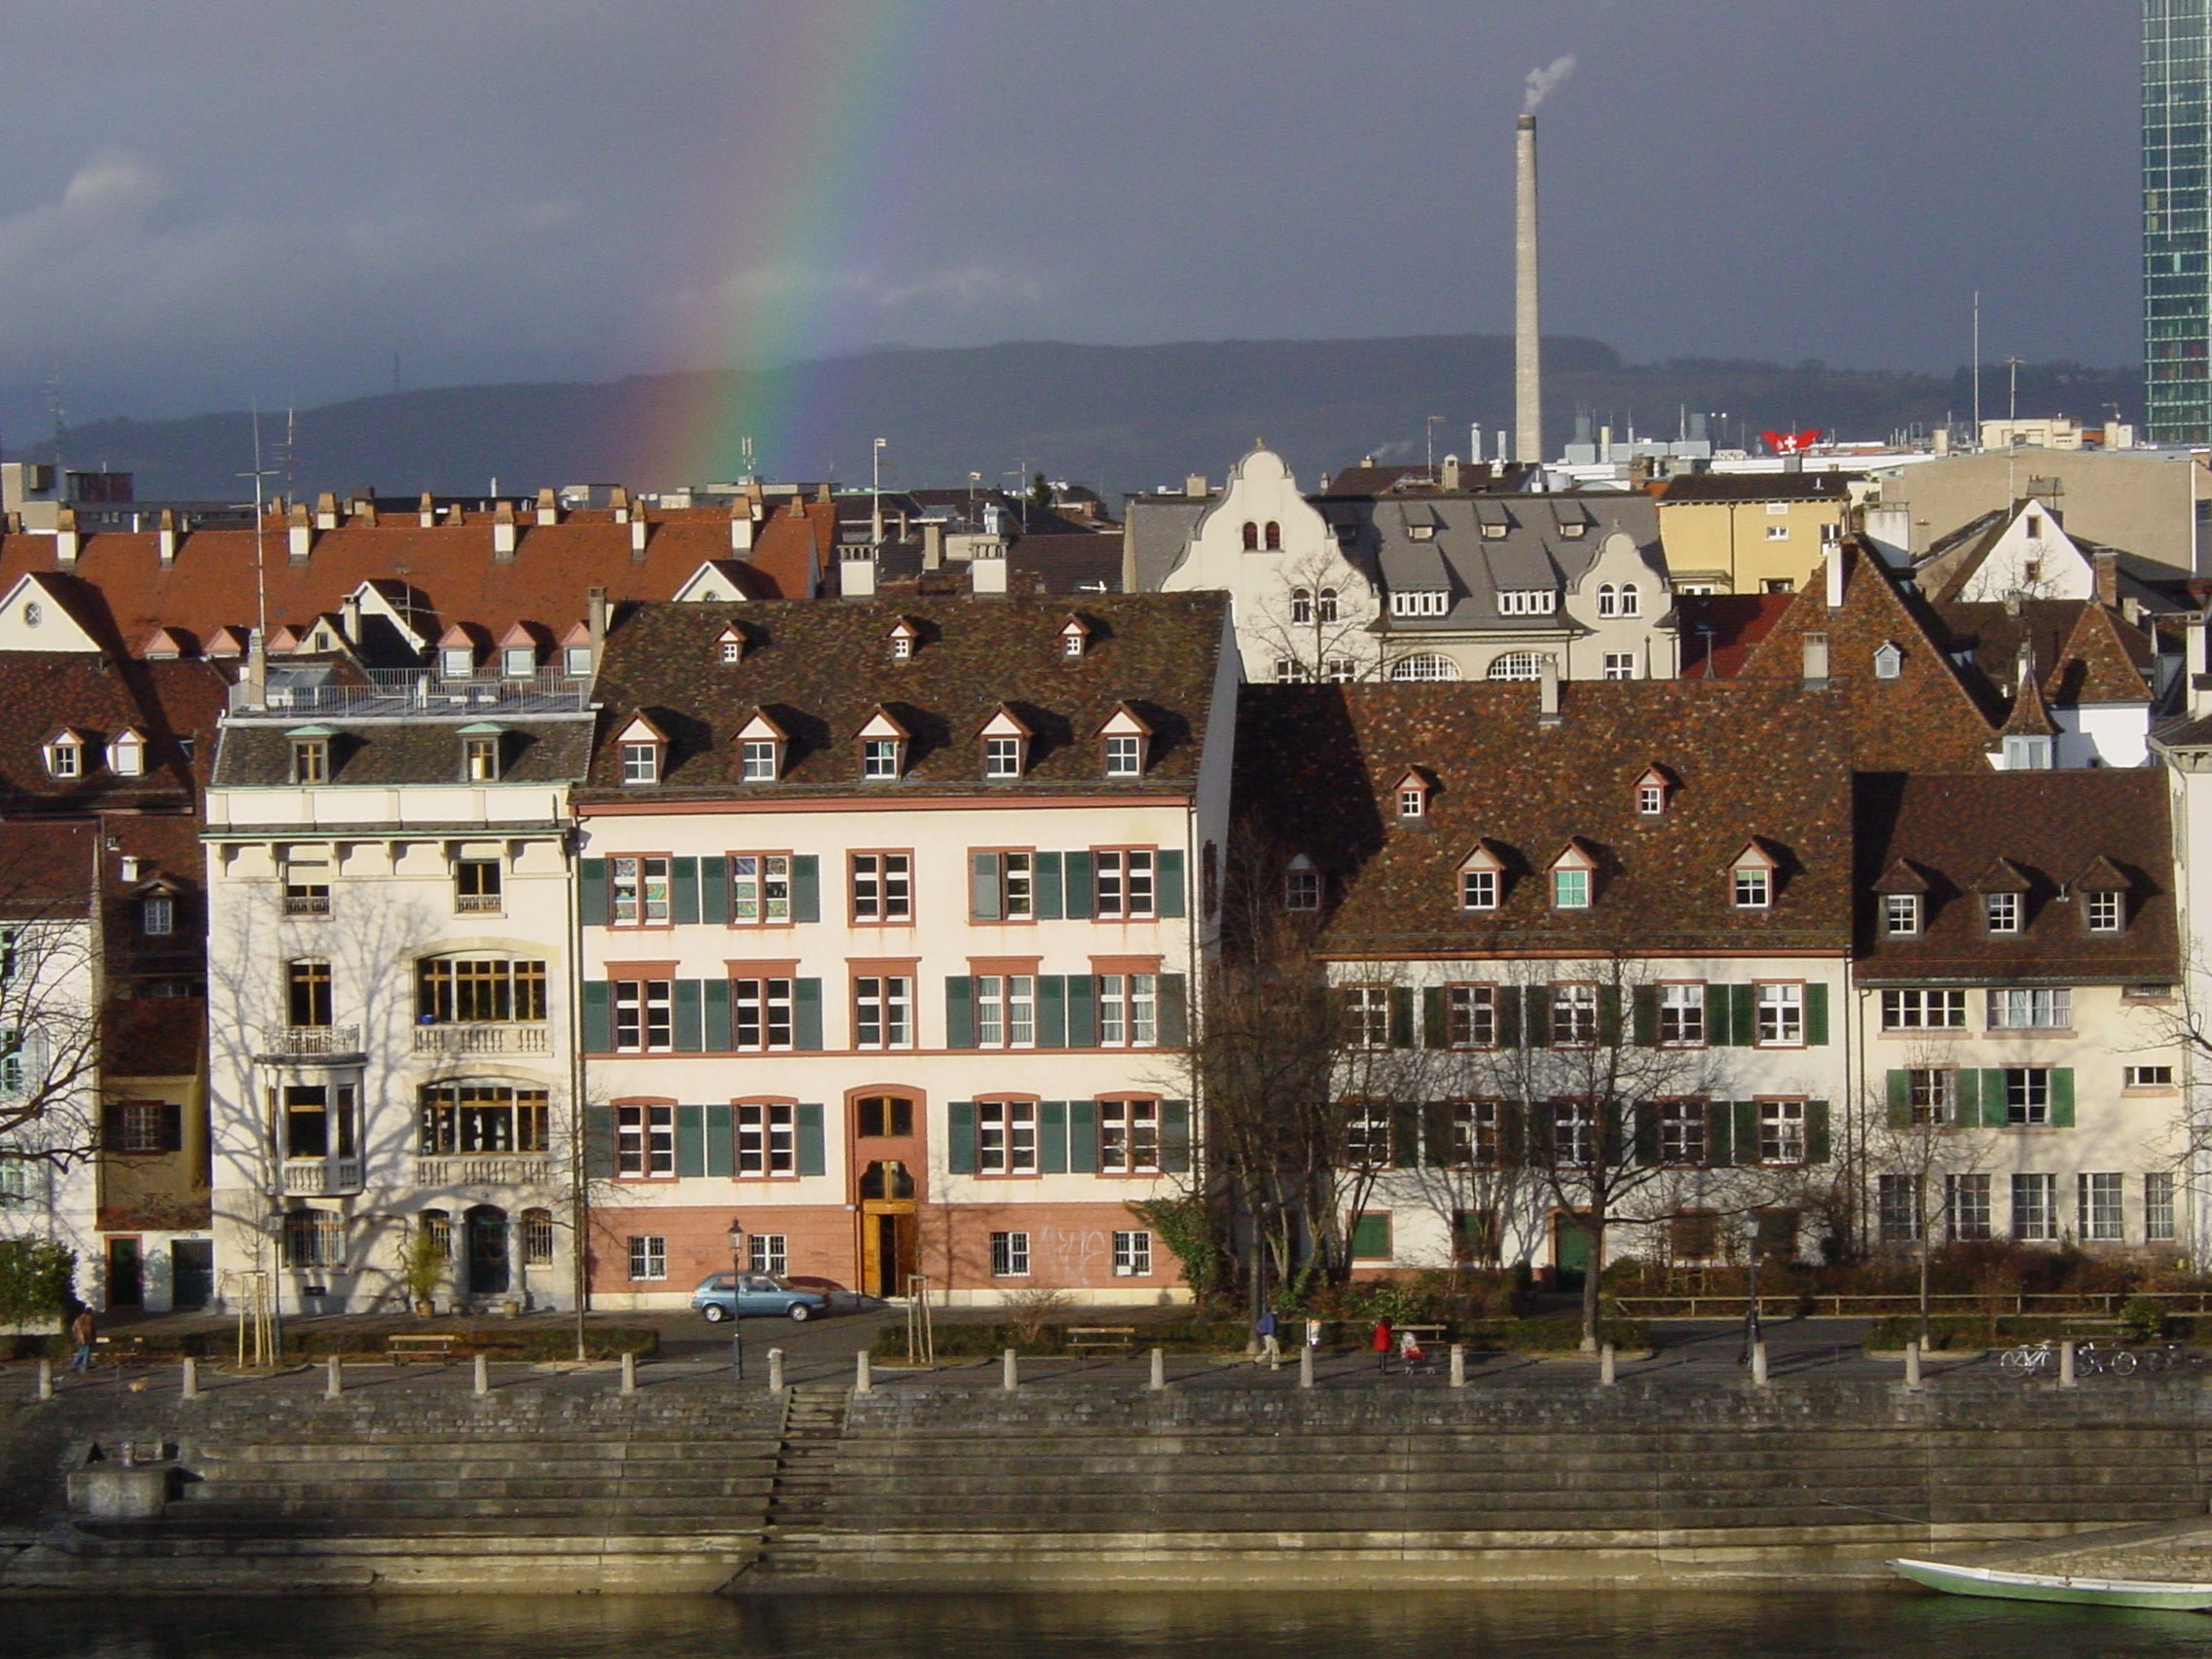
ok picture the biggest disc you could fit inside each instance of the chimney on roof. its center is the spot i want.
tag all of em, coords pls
(326, 511)
(65, 538)
(741, 517)
(299, 532)
(1834, 575)
(986, 570)
(364, 509)
(933, 546)
(427, 511)
(548, 508)
(256, 669)
(165, 538)
(1816, 662)
(1451, 479)
(856, 571)
(1547, 693)
(504, 532)
(2106, 566)
(619, 499)
(1195, 485)
(595, 618)
(349, 609)
(638, 531)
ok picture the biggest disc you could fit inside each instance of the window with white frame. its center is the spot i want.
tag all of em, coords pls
(637, 888)
(1129, 1007)
(537, 1238)
(1778, 532)
(1010, 1255)
(767, 1142)
(879, 757)
(1780, 1014)
(882, 887)
(1301, 885)
(2097, 1196)
(1413, 801)
(1681, 1133)
(1607, 605)
(1478, 888)
(2031, 1008)
(1006, 1137)
(2158, 1207)
(2105, 909)
(1005, 1011)
(1967, 1207)
(768, 1253)
(648, 1256)
(1682, 1015)
(65, 758)
(1632, 603)
(759, 889)
(1518, 665)
(1470, 1017)
(2035, 1209)
(1650, 800)
(1132, 1254)
(1571, 890)
(644, 1016)
(1526, 602)
(2027, 1094)
(1620, 665)
(2148, 1077)
(883, 1010)
(1574, 1133)
(313, 1239)
(1123, 882)
(1478, 1135)
(761, 1012)
(1289, 671)
(1420, 601)
(1782, 1132)
(758, 755)
(1924, 1011)
(157, 916)
(1931, 1095)
(1367, 1134)
(645, 1142)
(1753, 887)
(1342, 671)
(1124, 756)
(1575, 1016)
(1128, 1137)
(1301, 605)
(640, 763)
(1367, 1016)
(1002, 757)
(2001, 912)
(1900, 914)
(1899, 1208)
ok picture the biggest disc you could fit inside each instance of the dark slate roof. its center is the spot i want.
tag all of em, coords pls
(2083, 652)
(537, 750)
(98, 697)
(1694, 487)
(1718, 630)
(1317, 765)
(820, 672)
(2052, 826)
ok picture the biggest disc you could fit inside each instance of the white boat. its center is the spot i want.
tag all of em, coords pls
(2056, 1587)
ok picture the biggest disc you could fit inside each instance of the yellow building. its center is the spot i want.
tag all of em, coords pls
(1749, 531)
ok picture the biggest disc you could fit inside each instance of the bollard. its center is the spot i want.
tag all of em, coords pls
(1759, 1365)
(483, 1374)
(45, 1378)
(1605, 1366)
(1306, 1365)
(1158, 1370)
(628, 1373)
(775, 1371)
(1912, 1364)
(1458, 1365)
(190, 1377)
(1011, 1379)
(333, 1381)
(2066, 1365)
(862, 1382)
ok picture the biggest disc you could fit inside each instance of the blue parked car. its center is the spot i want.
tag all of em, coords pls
(727, 1296)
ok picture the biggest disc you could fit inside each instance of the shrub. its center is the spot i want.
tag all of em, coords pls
(35, 1281)
(2143, 1319)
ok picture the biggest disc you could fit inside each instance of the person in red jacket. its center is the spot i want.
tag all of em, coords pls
(1381, 1343)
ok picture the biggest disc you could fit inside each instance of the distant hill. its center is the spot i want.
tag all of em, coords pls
(1120, 418)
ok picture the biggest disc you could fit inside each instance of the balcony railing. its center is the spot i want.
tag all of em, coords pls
(321, 1177)
(476, 904)
(483, 1039)
(485, 1169)
(410, 692)
(306, 904)
(311, 1042)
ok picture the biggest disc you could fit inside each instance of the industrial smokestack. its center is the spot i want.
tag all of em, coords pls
(1528, 346)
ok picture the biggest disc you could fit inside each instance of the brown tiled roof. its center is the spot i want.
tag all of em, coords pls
(45, 691)
(152, 1037)
(2083, 653)
(820, 670)
(2051, 826)
(46, 869)
(1718, 630)
(1317, 766)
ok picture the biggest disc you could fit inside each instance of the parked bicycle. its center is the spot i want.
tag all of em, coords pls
(2032, 1359)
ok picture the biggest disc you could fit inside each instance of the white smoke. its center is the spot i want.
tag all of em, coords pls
(1542, 81)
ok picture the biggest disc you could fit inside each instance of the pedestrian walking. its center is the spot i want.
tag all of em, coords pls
(1381, 1343)
(81, 1331)
(1266, 1328)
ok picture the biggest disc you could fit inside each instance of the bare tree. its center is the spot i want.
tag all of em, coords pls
(1316, 626)
(1915, 1145)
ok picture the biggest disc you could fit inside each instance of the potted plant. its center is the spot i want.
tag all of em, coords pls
(421, 1266)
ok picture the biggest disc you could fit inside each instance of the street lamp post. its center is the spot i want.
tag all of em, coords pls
(1752, 1285)
(736, 1300)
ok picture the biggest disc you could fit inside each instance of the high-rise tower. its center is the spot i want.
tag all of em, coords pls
(2177, 240)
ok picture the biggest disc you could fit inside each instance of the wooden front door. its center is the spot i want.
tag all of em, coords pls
(126, 1275)
(888, 1251)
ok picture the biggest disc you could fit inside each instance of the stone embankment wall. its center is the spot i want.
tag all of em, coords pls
(929, 1484)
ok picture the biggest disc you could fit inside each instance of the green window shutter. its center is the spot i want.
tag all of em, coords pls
(1077, 886)
(684, 877)
(1720, 1017)
(690, 1031)
(1052, 1137)
(1746, 1136)
(1538, 1000)
(690, 1142)
(983, 887)
(599, 1017)
(1900, 1100)
(960, 1137)
(2062, 1097)
(1615, 1126)
(1083, 1137)
(172, 1126)
(1966, 1102)
(714, 891)
(1167, 877)
(1643, 1016)
(1436, 1133)
(722, 1147)
(1174, 1011)
(591, 892)
(1083, 1012)
(1744, 1015)
(1508, 1017)
(1401, 1016)
(718, 1036)
(1608, 1015)
(1405, 1136)
(1045, 887)
(960, 1019)
(806, 1014)
(1051, 1011)
(813, 1155)
(1645, 1135)
(806, 888)
(1993, 1097)
(1817, 1131)
(1370, 1236)
(599, 1143)
(1720, 1134)
(1175, 1136)
(1432, 1026)
(1816, 1015)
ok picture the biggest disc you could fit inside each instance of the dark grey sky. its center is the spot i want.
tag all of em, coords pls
(215, 201)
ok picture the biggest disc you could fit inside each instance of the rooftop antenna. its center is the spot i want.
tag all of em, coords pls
(1977, 368)
(2011, 428)
(744, 449)
(260, 568)
(60, 423)
(1432, 420)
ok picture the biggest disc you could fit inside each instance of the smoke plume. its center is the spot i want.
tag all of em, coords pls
(1542, 81)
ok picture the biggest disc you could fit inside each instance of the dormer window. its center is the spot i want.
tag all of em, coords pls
(1005, 745)
(1075, 638)
(2031, 754)
(904, 637)
(1889, 660)
(1128, 741)
(1750, 879)
(729, 646)
(644, 746)
(760, 751)
(519, 662)
(2104, 912)
(456, 662)
(1901, 916)
(480, 753)
(1526, 602)
(1572, 874)
(578, 661)
(1301, 885)
(126, 754)
(1651, 793)
(1482, 880)
(883, 749)
(2001, 912)
(311, 760)
(65, 756)
(1420, 601)
(1412, 793)
(1421, 532)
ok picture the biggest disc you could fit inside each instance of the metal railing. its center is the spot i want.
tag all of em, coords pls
(318, 1178)
(483, 1039)
(476, 904)
(394, 693)
(484, 1169)
(312, 1040)
(1719, 1304)
(306, 904)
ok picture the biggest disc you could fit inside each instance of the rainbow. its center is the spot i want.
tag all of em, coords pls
(809, 144)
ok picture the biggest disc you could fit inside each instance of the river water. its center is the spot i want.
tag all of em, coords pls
(1371, 1625)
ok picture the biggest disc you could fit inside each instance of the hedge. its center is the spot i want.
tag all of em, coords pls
(967, 1340)
(513, 1343)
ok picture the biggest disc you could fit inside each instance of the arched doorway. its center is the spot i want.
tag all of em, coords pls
(888, 1245)
(486, 1228)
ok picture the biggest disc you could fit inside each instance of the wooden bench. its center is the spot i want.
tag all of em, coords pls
(1429, 1338)
(1102, 1339)
(438, 1345)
